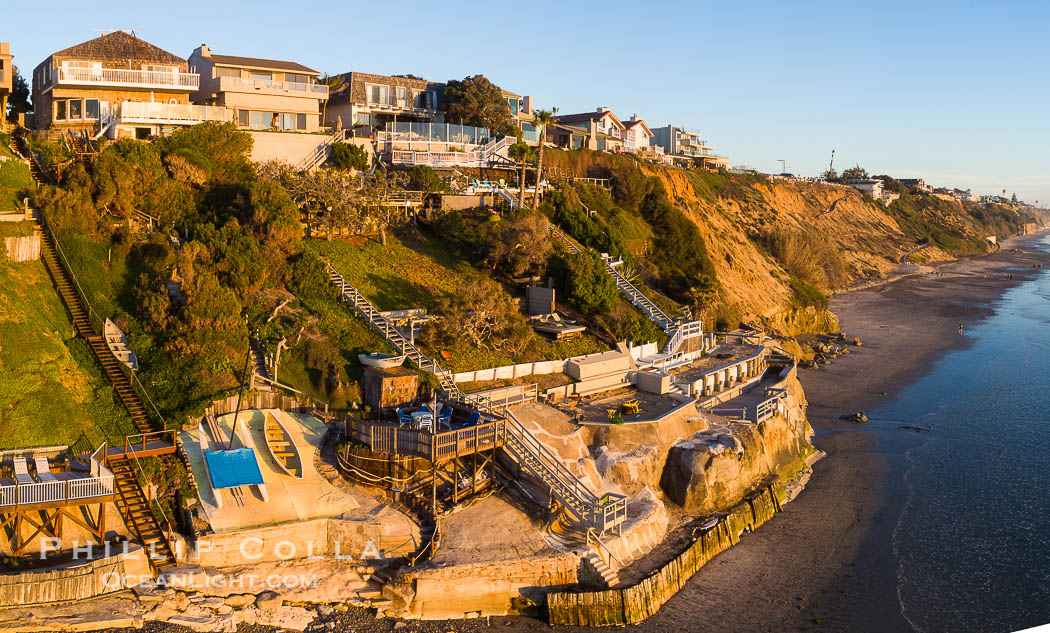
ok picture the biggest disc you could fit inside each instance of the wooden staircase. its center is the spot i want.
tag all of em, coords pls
(132, 502)
(138, 516)
(18, 145)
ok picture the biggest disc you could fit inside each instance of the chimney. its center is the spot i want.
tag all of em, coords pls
(603, 109)
(203, 51)
(634, 118)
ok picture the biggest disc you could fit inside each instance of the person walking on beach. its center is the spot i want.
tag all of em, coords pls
(960, 328)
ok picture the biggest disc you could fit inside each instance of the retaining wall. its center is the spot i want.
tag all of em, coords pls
(631, 605)
(288, 541)
(23, 249)
(77, 581)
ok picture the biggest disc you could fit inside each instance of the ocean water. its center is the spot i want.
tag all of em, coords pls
(972, 542)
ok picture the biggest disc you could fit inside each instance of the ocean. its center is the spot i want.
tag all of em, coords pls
(972, 541)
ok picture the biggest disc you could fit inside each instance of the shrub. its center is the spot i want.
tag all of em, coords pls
(349, 156)
(584, 282)
(809, 257)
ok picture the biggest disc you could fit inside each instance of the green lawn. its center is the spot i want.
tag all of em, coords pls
(14, 178)
(51, 390)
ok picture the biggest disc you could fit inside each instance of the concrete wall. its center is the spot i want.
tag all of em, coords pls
(303, 539)
(484, 589)
(289, 147)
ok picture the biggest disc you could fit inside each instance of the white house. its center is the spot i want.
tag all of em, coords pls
(636, 135)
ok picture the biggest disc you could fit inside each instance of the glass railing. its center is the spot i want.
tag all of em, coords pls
(128, 77)
(228, 83)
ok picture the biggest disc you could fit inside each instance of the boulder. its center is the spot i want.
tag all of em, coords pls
(268, 601)
(856, 341)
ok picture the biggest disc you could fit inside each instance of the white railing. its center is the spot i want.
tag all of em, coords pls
(230, 84)
(481, 157)
(118, 76)
(57, 491)
(151, 111)
(320, 155)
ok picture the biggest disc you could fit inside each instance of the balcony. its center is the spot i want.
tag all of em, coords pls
(120, 78)
(268, 87)
(170, 113)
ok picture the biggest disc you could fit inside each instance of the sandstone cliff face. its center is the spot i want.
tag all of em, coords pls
(714, 469)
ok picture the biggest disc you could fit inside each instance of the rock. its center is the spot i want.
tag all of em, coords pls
(856, 342)
(150, 598)
(240, 600)
(206, 624)
(399, 625)
(856, 418)
(268, 601)
(842, 336)
(246, 616)
(211, 603)
(178, 602)
(289, 618)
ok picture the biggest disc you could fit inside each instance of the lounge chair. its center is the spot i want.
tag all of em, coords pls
(22, 472)
(43, 469)
(404, 418)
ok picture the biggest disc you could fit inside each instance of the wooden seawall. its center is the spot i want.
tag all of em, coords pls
(631, 605)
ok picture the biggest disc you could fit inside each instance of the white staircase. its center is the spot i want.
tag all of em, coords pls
(591, 510)
(677, 330)
(320, 155)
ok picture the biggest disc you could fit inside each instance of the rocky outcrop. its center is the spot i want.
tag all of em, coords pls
(714, 469)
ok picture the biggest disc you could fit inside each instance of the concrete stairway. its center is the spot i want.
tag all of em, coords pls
(601, 569)
(138, 516)
(320, 155)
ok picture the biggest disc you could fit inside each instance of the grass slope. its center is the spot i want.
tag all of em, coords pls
(14, 178)
(51, 390)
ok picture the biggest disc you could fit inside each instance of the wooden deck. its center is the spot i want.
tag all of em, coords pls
(390, 439)
(144, 445)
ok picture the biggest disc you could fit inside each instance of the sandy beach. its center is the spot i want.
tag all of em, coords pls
(826, 563)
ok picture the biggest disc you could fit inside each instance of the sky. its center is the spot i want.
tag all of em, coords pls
(957, 93)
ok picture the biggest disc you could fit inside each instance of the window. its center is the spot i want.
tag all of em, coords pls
(242, 118)
(513, 103)
(221, 71)
(287, 121)
(296, 79)
(76, 109)
(60, 110)
(90, 108)
(377, 94)
(259, 76)
(300, 121)
(158, 69)
(402, 97)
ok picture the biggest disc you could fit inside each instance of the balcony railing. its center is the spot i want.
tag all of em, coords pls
(60, 491)
(170, 113)
(240, 84)
(127, 78)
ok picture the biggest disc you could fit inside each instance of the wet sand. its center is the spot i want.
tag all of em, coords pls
(826, 563)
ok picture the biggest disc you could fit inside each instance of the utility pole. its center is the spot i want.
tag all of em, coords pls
(831, 165)
(783, 165)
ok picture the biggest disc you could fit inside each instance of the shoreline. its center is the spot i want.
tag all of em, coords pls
(826, 563)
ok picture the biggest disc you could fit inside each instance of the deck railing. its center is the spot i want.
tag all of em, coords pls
(150, 111)
(44, 492)
(395, 440)
(121, 76)
(138, 442)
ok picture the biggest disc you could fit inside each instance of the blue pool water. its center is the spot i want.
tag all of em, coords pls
(973, 538)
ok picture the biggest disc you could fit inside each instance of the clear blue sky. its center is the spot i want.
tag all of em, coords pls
(954, 92)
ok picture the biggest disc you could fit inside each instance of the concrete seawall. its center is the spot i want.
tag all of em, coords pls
(631, 605)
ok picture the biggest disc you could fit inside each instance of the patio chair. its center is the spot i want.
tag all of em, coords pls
(475, 416)
(426, 408)
(446, 417)
(43, 469)
(403, 417)
(22, 472)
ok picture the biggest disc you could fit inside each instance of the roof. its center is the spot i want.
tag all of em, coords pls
(630, 124)
(120, 46)
(585, 117)
(256, 62)
(233, 468)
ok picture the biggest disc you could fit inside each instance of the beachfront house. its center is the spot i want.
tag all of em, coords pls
(637, 135)
(916, 184)
(870, 186)
(117, 85)
(522, 115)
(6, 79)
(688, 148)
(597, 130)
(259, 94)
(368, 100)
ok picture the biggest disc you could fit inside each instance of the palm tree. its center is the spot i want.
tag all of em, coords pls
(541, 120)
(522, 153)
(334, 83)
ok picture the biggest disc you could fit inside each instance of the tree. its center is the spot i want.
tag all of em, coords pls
(479, 315)
(19, 101)
(583, 278)
(1013, 198)
(855, 172)
(477, 101)
(522, 153)
(541, 120)
(335, 83)
(424, 179)
(519, 245)
(701, 294)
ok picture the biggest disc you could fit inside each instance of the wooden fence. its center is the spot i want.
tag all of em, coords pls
(257, 400)
(96, 578)
(631, 605)
(23, 249)
(436, 447)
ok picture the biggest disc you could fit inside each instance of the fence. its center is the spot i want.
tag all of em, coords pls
(57, 491)
(23, 249)
(440, 132)
(631, 605)
(80, 582)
